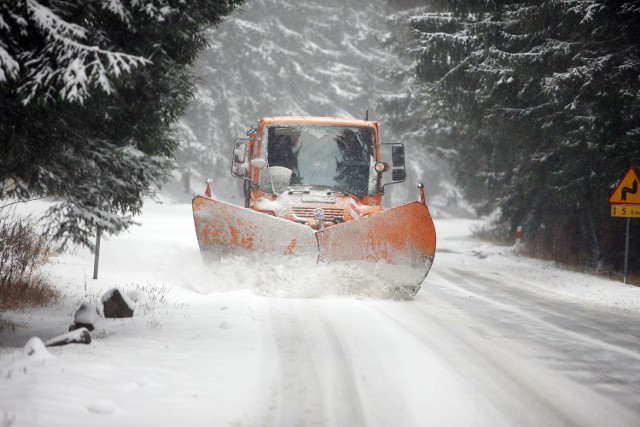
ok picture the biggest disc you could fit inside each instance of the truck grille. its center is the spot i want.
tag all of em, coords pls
(329, 213)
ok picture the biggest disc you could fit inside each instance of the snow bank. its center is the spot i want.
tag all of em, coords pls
(36, 350)
(503, 264)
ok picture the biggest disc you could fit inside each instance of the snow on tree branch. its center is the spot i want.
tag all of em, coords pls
(50, 23)
(49, 57)
(117, 8)
(103, 198)
(9, 67)
(66, 66)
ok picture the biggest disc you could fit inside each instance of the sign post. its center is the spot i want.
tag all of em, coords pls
(625, 203)
(626, 251)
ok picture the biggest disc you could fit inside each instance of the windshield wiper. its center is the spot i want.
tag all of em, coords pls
(329, 189)
(336, 189)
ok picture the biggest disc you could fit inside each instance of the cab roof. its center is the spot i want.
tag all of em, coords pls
(312, 120)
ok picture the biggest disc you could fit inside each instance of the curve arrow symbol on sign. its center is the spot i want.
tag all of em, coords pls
(630, 190)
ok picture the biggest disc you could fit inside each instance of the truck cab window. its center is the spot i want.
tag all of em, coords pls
(334, 157)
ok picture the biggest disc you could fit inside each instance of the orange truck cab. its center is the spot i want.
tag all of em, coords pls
(293, 166)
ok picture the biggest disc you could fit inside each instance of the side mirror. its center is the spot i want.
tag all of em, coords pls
(240, 153)
(398, 174)
(239, 162)
(397, 166)
(397, 156)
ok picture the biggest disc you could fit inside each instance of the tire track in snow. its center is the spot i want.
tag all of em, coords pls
(613, 331)
(315, 385)
(521, 390)
(594, 347)
(514, 400)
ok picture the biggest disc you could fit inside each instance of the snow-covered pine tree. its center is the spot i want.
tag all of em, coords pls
(542, 98)
(88, 94)
(410, 113)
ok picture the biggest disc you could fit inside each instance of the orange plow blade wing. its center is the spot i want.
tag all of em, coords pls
(403, 236)
(224, 228)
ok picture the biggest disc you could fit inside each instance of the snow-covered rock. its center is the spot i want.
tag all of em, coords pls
(117, 305)
(85, 317)
(87, 313)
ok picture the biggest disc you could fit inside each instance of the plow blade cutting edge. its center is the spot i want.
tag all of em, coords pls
(400, 241)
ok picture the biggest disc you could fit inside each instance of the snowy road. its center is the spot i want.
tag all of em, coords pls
(491, 339)
(466, 353)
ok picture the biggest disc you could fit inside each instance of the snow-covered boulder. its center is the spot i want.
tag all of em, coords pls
(79, 336)
(85, 317)
(35, 349)
(116, 305)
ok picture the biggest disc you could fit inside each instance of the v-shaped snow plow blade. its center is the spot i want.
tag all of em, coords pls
(403, 238)
(225, 228)
(398, 244)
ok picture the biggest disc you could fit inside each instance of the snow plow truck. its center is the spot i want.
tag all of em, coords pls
(313, 186)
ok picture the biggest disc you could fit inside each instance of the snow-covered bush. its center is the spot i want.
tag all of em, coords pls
(22, 251)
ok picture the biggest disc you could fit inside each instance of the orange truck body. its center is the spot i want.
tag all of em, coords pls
(320, 196)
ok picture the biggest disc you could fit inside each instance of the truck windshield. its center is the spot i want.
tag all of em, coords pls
(334, 157)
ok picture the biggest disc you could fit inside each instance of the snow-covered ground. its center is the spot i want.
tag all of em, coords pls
(491, 339)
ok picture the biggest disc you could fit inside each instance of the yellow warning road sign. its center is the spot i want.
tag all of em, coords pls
(628, 190)
(623, 211)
